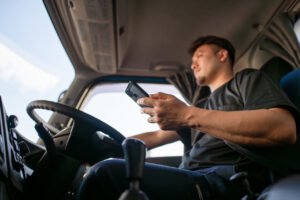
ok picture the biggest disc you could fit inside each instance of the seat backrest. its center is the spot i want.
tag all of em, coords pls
(276, 68)
(283, 74)
(291, 85)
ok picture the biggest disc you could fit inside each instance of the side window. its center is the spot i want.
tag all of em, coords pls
(297, 29)
(109, 103)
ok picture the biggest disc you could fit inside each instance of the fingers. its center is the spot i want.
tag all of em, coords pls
(146, 101)
(159, 95)
(152, 119)
(147, 110)
(152, 99)
(157, 106)
(151, 112)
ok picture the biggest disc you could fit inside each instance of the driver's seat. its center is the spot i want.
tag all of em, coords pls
(282, 73)
(289, 80)
(290, 83)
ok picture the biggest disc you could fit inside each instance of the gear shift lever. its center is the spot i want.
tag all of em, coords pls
(134, 151)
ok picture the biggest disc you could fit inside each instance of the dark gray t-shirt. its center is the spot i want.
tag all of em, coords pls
(250, 89)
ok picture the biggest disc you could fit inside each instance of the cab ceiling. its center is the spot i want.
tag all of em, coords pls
(151, 37)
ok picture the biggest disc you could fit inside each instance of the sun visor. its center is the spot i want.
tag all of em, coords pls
(94, 25)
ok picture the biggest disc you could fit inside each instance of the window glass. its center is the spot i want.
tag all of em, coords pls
(297, 29)
(109, 103)
(33, 63)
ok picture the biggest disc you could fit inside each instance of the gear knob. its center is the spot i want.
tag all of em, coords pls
(134, 151)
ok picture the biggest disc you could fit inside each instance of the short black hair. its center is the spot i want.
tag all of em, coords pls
(211, 39)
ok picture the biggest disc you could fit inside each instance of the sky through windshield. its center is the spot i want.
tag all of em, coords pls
(33, 63)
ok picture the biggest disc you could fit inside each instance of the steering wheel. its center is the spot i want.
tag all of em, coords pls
(83, 143)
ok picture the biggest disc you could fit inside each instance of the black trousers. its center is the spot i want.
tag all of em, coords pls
(106, 180)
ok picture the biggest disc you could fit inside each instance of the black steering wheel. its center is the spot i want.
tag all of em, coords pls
(83, 143)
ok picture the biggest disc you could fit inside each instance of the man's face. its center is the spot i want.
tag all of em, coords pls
(206, 64)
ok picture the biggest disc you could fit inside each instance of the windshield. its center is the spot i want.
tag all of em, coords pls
(33, 63)
(108, 102)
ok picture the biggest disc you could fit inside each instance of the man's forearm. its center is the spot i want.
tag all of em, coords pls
(157, 138)
(265, 127)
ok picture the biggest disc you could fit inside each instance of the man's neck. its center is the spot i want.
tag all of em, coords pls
(221, 81)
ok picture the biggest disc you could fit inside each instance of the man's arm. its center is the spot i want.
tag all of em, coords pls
(157, 138)
(264, 127)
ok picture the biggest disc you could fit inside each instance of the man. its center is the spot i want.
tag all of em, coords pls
(260, 116)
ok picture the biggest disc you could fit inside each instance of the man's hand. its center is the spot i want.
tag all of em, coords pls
(166, 110)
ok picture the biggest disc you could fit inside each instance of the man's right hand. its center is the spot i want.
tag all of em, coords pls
(166, 110)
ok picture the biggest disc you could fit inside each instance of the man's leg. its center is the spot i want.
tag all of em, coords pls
(106, 180)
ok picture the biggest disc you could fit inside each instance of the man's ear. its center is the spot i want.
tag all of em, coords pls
(223, 53)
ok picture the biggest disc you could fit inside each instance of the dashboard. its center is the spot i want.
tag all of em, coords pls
(26, 170)
(12, 151)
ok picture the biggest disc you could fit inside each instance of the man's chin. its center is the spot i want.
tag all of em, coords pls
(200, 81)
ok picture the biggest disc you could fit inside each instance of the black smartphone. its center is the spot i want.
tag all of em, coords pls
(135, 92)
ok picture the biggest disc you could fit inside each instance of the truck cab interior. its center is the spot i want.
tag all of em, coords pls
(110, 43)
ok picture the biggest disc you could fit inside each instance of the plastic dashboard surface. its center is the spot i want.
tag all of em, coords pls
(12, 169)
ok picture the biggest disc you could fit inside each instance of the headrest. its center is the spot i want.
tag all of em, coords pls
(290, 83)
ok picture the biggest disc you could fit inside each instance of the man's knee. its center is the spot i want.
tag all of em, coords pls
(106, 178)
(106, 171)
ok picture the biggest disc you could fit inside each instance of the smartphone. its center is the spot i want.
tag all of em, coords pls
(135, 92)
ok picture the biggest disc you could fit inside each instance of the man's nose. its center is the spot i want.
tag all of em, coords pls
(193, 65)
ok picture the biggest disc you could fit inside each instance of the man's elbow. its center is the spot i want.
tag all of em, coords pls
(292, 139)
(285, 126)
(287, 136)
(290, 134)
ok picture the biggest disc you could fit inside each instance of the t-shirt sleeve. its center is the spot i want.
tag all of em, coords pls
(258, 91)
(185, 135)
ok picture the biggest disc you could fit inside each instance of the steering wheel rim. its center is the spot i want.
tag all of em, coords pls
(77, 115)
